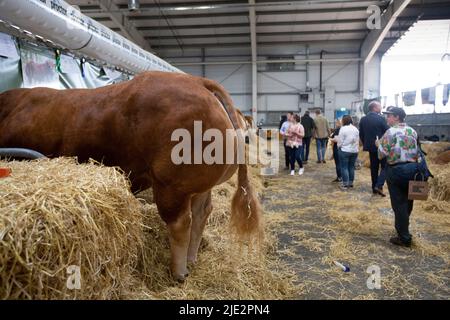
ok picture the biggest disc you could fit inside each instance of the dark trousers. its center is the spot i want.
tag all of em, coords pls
(337, 162)
(378, 176)
(306, 144)
(286, 154)
(295, 155)
(347, 160)
(398, 178)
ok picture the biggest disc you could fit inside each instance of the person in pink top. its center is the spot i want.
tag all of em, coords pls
(294, 142)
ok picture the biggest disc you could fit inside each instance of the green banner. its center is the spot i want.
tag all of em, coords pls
(28, 65)
(10, 70)
(38, 66)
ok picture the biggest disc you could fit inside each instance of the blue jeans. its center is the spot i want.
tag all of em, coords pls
(321, 148)
(295, 154)
(347, 160)
(398, 178)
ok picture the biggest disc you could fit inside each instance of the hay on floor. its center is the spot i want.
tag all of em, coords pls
(318, 224)
(435, 211)
(440, 184)
(57, 213)
(225, 269)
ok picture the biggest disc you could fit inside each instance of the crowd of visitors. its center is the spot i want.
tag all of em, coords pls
(392, 145)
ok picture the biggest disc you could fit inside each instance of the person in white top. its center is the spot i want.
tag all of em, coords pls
(348, 144)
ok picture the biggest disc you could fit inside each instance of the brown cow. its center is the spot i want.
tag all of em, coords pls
(249, 123)
(130, 125)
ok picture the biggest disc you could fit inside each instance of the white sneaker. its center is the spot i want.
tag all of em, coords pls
(292, 172)
(301, 171)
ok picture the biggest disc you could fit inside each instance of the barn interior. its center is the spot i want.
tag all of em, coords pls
(272, 57)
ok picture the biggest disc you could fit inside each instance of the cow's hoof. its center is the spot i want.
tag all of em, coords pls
(181, 278)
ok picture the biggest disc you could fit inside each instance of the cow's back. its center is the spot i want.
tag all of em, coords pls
(127, 125)
(76, 122)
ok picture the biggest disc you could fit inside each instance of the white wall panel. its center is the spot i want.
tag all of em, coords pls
(278, 91)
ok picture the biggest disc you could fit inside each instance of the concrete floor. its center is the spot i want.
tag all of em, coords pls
(315, 224)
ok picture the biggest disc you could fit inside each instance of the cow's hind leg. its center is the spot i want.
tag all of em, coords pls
(201, 208)
(175, 210)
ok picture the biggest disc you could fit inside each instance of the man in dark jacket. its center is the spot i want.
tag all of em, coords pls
(308, 124)
(372, 127)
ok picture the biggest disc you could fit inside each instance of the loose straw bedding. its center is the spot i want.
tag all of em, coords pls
(56, 215)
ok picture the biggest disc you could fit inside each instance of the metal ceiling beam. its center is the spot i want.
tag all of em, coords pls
(265, 34)
(201, 36)
(285, 55)
(320, 32)
(103, 19)
(254, 44)
(355, 8)
(309, 33)
(429, 10)
(269, 34)
(245, 13)
(269, 24)
(193, 4)
(244, 4)
(125, 25)
(261, 3)
(92, 8)
(194, 26)
(373, 42)
(258, 24)
(376, 36)
(310, 22)
(188, 16)
(328, 60)
(260, 43)
(89, 7)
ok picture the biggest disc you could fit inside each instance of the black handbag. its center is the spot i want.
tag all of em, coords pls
(423, 167)
(422, 163)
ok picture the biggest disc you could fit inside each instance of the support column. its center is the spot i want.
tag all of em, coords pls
(203, 63)
(252, 17)
(373, 41)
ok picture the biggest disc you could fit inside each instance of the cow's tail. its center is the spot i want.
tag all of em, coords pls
(246, 215)
(224, 98)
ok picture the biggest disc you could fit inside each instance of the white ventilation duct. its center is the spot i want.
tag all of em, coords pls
(66, 26)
